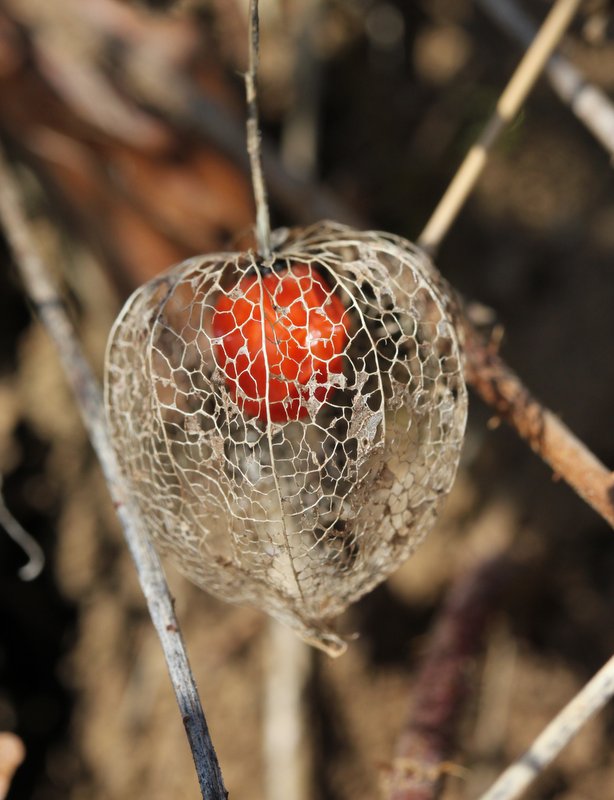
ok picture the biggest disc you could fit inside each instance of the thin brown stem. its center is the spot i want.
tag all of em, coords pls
(551, 439)
(53, 314)
(263, 223)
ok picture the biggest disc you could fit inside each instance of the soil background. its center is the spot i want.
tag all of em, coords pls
(393, 93)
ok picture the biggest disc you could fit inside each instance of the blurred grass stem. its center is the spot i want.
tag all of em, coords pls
(597, 692)
(51, 309)
(32, 549)
(285, 729)
(510, 102)
(589, 104)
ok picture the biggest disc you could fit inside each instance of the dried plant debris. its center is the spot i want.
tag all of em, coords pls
(288, 427)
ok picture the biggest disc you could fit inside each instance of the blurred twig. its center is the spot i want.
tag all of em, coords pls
(509, 104)
(52, 312)
(590, 105)
(300, 133)
(489, 375)
(168, 102)
(12, 753)
(173, 95)
(285, 740)
(427, 739)
(303, 201)
(29, 545)
(551, 439)
(594, 696)
(497, 692)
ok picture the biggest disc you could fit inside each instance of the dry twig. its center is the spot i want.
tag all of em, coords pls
(425, 743)
(52, 312)
(441, 687)
(590, 105)
(551, 439)
(187, 108)
(594, 696)
(489, 375)
(182, 103)
(509, 104)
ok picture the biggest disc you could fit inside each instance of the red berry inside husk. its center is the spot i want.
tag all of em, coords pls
(284, 330)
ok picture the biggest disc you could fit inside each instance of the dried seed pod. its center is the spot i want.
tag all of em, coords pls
(288, 429)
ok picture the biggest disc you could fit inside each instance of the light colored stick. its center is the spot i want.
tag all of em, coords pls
(32, 549)
(514, 95)
(263, 223)
(285, 746)
(597, 692)
(590, 105)
(52, 312)
(12, 754)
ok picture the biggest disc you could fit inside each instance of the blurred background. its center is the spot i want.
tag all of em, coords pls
(126, 123)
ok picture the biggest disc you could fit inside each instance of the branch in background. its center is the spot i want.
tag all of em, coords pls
(491, 378)
(176, 187)
(299, 143)
(286, 747)
(551, 439)
(590, 105)
(188, 108)
(151, 80)
(428, 738)
(52, 312)
(510, 102)
(589, 700)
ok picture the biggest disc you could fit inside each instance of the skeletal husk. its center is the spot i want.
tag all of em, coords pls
(299, 518)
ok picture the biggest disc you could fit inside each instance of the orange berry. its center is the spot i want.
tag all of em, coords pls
(285, 329)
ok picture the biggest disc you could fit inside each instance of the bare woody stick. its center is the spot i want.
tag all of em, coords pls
(443, 683)
(52, 312)
(286, 747)
(514, 95)
(590, 105)
(589, 700)
(550, 438)
(263, 224)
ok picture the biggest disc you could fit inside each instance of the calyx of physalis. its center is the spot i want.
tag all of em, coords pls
(289, 426)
